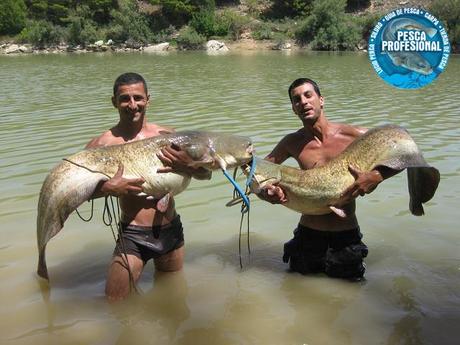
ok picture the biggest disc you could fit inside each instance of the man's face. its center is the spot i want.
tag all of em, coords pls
(306, 103)
(131, 101)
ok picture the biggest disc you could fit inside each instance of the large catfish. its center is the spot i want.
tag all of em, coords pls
(316, 191)
(74, 180)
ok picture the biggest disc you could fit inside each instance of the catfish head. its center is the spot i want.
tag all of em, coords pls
(213, 151)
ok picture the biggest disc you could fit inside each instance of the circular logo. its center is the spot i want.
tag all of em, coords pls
(409, 48)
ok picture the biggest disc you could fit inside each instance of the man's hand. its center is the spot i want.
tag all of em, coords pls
(365, 183)
(176, 160)
(273, 194)
(120, 186)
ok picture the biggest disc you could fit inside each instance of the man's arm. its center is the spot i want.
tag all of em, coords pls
(280, 153)
(365, 182)
(273, 193)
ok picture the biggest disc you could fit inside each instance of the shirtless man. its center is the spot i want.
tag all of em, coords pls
(325, 243)
(147, 232)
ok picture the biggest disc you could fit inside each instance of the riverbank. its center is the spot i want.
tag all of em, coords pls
(211, 46)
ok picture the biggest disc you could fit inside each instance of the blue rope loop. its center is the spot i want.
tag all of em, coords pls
(238, 188)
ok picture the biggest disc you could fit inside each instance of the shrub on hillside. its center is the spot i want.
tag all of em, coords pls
(448, 11)
(81, 30)
(290, 8)
(42, 34)
(129, 24)
(189, 39)
(100, 10)
(279, 30)
(164, 35)
(328, 27)
(262, 31)
(353, 5)
(12, 16)
(204, 22)
(366, 23)
(231, 23)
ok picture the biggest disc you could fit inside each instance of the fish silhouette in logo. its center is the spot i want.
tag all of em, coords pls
(411, 60)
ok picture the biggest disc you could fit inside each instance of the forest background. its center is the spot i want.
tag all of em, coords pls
(188, 24)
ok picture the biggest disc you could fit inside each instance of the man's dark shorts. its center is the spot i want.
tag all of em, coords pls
(337, 253)
(150, 242)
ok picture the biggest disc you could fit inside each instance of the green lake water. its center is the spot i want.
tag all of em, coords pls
(52, 105)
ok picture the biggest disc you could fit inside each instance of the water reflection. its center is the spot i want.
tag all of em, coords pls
(319, 304)
(158, 312)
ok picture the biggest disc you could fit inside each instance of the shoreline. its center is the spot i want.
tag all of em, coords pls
(212, 46)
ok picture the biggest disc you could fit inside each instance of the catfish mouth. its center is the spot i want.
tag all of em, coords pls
(246, 166)
(248, 157)
(250, 151)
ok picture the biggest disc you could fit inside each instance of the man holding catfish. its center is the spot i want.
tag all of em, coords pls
(329, 243)
(140, 215)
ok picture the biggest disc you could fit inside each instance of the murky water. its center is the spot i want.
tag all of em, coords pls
(53, 105)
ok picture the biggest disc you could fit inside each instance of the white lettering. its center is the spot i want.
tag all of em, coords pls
(411, 35)
(431, 18)
(377, 67)
(411, 11)
(376, 30)
(443, 62)
(411, 46)
(390, 15)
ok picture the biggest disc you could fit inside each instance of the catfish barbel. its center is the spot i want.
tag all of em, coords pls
(74, 180)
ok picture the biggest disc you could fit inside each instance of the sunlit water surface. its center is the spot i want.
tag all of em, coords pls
(53, 105)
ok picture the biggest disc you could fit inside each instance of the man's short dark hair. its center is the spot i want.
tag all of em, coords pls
(128, 78)
(302, 81)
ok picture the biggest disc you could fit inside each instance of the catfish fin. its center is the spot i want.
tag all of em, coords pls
(163, 203)
(422, 183)
(423, 179)
(338, 211)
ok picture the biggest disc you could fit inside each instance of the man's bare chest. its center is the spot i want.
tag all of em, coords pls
(318, 154)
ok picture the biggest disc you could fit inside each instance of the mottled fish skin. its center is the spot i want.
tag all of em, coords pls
(410, 60)
(312, 191)
(74, 180)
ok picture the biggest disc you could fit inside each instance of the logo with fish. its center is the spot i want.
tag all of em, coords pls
(409, 48)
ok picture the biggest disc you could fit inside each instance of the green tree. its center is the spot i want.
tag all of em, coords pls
(129, 24)
(42, 34)
(329, 27)
(353, 5)
(12, 16)
(81, 29)
(100, 9)
(448, 11)
(290, 8)
(55, 11)
(180, 12)
(189, 39)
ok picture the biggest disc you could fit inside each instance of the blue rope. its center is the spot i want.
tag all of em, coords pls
(238, 188)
